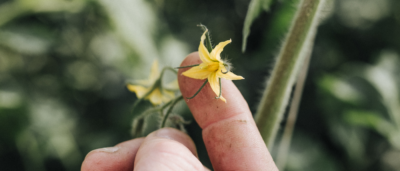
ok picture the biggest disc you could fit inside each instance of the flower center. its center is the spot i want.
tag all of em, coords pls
(213, 66)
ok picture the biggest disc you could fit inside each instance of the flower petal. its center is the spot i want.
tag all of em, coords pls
(145, 83)
(229, 76)
(222, 98)
(154, 71)
(216, 52)
(172, 85)
(203, 52)
(197, 72)
(155, 97)
(167, 95)
(214, 84)
(139, 90)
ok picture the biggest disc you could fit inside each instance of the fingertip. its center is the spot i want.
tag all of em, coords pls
(167, 148)
(96, 159)
(176, 135)
(119, 157)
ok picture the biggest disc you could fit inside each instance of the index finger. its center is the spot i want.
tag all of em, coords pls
(230, 134)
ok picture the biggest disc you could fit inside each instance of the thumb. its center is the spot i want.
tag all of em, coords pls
(167, 149)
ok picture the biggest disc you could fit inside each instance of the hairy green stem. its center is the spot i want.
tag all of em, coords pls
(291, 56)
(138, 121)
(284, 145)
(152, 110)
(165, 117)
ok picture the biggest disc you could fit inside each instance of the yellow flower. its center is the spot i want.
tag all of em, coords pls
(212, 67)
(157, 96)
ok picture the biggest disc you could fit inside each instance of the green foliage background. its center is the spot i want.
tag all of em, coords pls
(63, 67)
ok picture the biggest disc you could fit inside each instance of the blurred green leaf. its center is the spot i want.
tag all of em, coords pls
(340, 88)
(394, 139)
(308, 154)
(375, 122)
(255, 8)
(371, 120)
(267, 4)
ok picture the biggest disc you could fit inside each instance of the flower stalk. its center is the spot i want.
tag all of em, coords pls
(166, 115)
(198, 91)
(189, 66)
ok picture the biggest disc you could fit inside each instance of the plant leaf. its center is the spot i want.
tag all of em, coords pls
(370, 120)
(266, 4)
(255, 8)
(253, 12)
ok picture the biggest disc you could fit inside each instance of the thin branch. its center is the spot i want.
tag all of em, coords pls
(195, 94)
(187, 66)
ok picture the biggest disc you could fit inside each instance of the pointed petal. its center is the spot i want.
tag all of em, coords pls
(230, 76)
(203, 52)
(155, 97)
(142, 82)
(216, 52)
(172, 85)
(154, 71)
(197, 73)
(222, 98)
(139, 90)
(214, 83)
(167, 95)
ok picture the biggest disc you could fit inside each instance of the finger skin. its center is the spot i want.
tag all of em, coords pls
(230, 134)
(167, 149)
(109, 159)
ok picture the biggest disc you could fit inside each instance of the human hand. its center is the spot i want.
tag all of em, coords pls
(230, 134)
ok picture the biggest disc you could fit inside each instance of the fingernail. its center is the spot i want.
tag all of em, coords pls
(108, 149)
